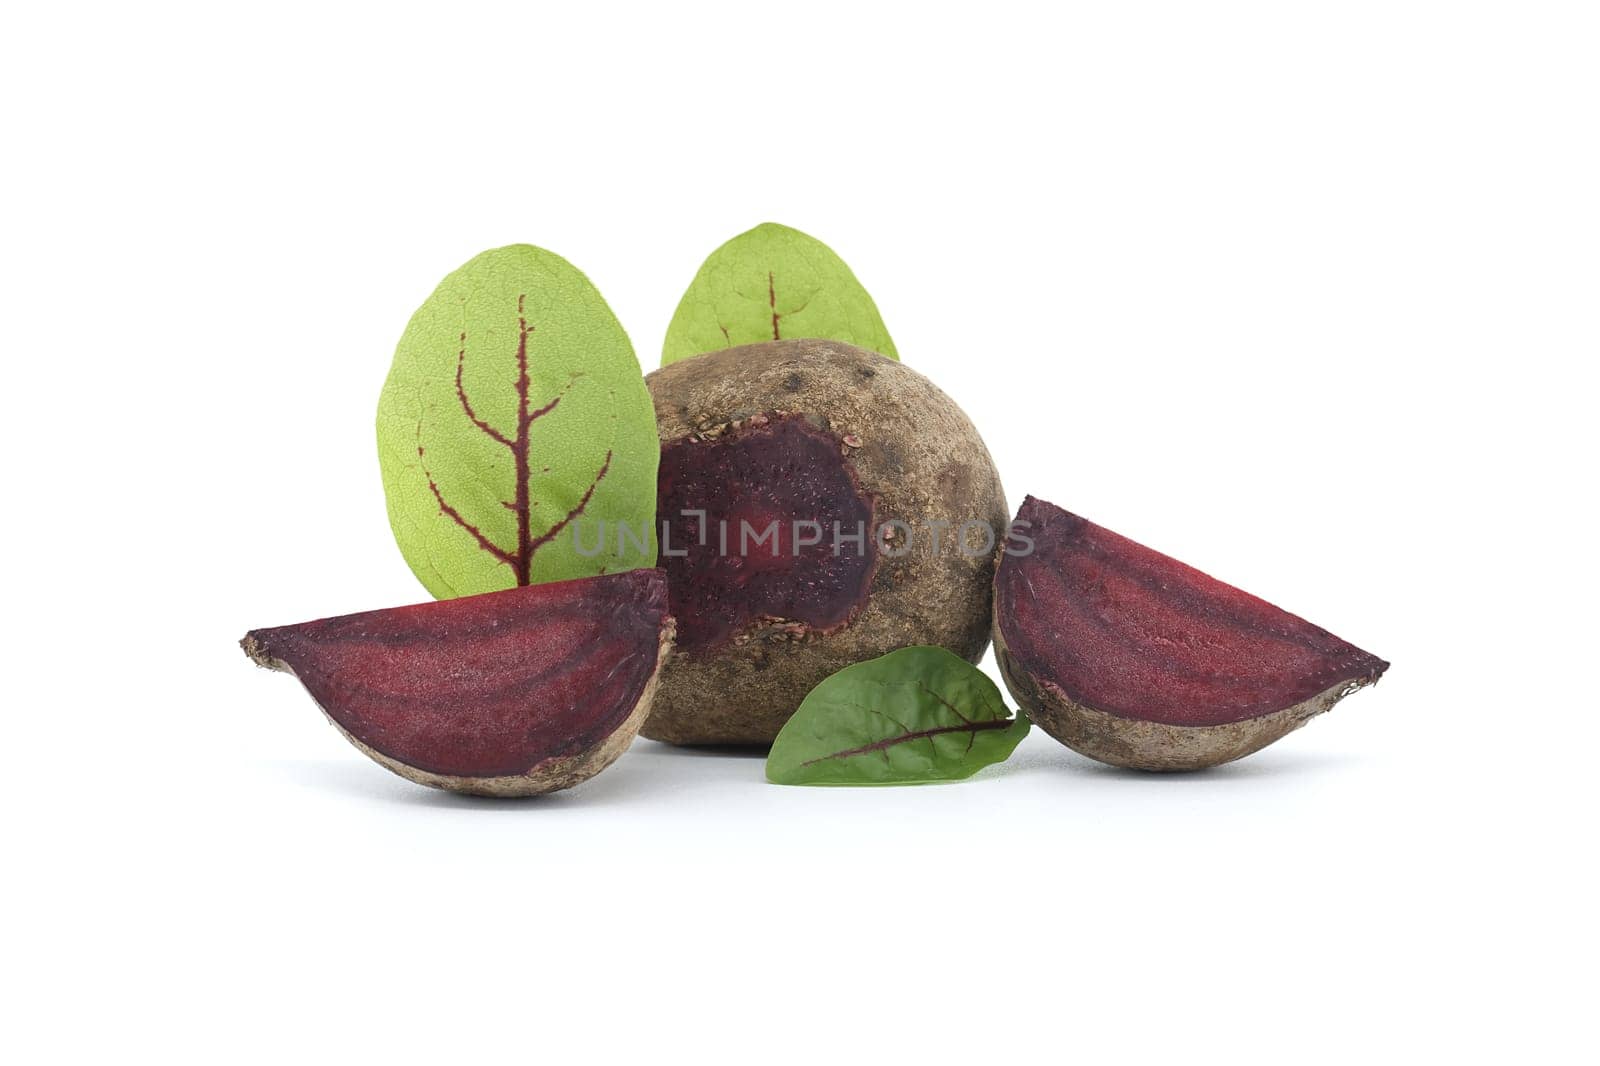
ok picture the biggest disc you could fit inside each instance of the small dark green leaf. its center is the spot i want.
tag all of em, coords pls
(773, 283)
(914, 715)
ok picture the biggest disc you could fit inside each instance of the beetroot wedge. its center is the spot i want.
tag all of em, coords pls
(509, 693)
(1137, 660)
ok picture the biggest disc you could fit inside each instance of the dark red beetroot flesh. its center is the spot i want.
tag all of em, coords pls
(513, 690)
(1096, 627)
(742, 561)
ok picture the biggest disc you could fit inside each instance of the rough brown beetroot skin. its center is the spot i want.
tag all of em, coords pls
(511, 693)
(1137, 660)
(811, 431)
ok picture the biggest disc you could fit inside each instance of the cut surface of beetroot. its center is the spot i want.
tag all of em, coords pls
(486, 687)
(730, 504)
(1117, 628)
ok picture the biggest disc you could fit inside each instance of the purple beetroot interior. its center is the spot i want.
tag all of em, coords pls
(485, 686)
(1124, 629)
(771, 469)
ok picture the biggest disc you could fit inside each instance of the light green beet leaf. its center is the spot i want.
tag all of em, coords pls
(912, 716)
(515, 429)
(772, 283)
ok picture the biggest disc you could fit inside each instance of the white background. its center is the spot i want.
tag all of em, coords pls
(1302, 294)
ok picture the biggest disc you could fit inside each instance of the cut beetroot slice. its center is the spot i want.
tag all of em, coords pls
(508, 693)
(1136, 659)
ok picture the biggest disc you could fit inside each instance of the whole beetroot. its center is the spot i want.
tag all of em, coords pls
(822, 505)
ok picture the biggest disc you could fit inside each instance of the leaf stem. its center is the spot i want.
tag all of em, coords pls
(921, 734)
